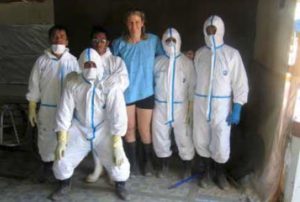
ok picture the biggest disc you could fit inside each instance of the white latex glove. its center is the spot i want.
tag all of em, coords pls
(118, 150)
(32, 113)
(61, 144)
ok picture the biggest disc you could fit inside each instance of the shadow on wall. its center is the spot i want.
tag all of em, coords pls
(247, 151)
(260, 114)
(254, 136)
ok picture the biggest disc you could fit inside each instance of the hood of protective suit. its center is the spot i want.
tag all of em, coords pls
(219, 35)
(90, 54)
(171, 48)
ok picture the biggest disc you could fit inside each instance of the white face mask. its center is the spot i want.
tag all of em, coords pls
(212, 40)
(58, 48)
(90, 73)
(171, 44)
(170, 48)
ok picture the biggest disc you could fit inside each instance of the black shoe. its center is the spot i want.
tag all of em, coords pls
(163, 167)
(221, 181)
(205, 180)
(205, 171)
(130, 150)
(148, 160)
(148, 168)
(63, 190)
(121, 191)
(187, 167)
(219, 176)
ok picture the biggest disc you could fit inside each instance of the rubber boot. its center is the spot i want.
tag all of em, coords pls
(130, 150)
(148, 160)
(187, 167)
(205, 179)
(219, 175)
(62, 191)
(163, 167)
(121, 191)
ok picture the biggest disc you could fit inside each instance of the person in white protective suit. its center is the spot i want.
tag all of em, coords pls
(174, 86)
(221, 90)
(45, 88)
(92, 118)
(115, 74)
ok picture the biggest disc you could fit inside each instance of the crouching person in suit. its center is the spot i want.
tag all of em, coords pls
(90, 117)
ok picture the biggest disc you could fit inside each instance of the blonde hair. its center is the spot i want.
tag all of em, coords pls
(141, 14)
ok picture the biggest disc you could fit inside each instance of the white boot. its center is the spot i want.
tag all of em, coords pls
(98, 170)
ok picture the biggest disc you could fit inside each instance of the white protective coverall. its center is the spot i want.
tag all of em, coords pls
(115, 74)
(174, 78)
(115, 71)
(99, 113)
(45, 86)
(221, 80)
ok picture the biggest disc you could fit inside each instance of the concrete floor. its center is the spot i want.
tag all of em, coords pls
(140, 189)
(19, 184)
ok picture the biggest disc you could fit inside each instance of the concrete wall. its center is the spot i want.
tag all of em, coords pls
(186, 16)
(27, 13)
(267, 73)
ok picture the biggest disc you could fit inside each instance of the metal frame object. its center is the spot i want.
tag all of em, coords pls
(7, 109)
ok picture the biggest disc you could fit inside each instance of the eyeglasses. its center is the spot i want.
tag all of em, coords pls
(171, 39)
(99, 41)
(89, 64)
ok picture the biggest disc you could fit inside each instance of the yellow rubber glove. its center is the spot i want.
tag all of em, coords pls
(32, 113)
(62, 137)
(118, 150)
(189, 116)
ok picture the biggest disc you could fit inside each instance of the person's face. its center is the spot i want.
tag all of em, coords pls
(170, 40)
(211, 30)
(89, 65)
(190, 54)
(59, 37)
(134, 24)
(100, 43)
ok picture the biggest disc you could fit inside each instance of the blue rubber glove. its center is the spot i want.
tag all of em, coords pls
(234, 117)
